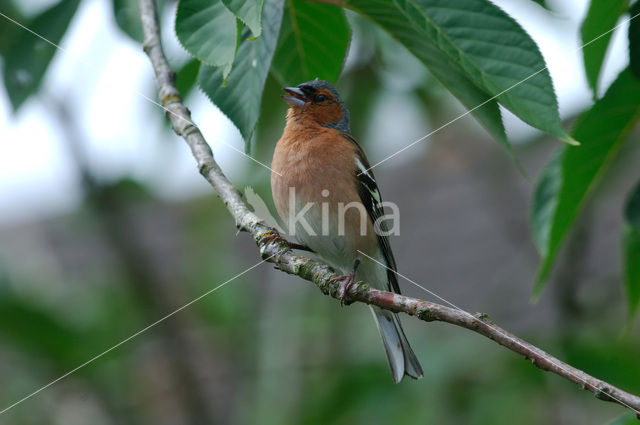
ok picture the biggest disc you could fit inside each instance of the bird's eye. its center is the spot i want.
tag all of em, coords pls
(321, 98)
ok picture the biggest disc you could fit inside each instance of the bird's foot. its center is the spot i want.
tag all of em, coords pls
(274, 236)
(344, 285)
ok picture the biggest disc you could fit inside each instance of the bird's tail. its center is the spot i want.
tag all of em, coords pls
(402, 360)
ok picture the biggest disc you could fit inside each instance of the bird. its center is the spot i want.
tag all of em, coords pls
(325, 193)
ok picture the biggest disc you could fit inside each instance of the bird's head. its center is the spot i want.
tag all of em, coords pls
(318, 101)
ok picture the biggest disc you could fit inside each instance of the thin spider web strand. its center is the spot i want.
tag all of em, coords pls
(132, 337)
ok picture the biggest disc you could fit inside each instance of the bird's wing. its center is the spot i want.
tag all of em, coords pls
(371, 199)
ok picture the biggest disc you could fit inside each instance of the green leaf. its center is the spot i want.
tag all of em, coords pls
(568, 178)
(490, 49)
(631, 238)
(313, 43)
(28, 56)
(601, 18)
(127, 16)
(208, 31)
(187, 76)
(634, 40)
(448, 72)
(9, 30)
(249, 12)
(542, 3)
(240, 97)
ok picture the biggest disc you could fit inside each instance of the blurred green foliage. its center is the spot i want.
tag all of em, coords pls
(568, 178)
(22, 72)
(631, 248)
(634, 40)
(127, 16)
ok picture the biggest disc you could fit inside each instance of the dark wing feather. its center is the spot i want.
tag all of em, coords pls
(371, 199)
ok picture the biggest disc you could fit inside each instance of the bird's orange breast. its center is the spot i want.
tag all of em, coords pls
(319, 165)
(312, 161)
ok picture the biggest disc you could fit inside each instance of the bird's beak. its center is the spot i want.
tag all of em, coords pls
(296, 96)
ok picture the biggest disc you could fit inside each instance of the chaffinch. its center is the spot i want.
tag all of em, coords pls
(326, 194)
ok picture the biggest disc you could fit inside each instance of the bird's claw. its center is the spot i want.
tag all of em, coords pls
(344, 285)
(274, 236)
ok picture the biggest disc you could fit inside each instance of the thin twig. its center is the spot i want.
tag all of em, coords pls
(321, 274)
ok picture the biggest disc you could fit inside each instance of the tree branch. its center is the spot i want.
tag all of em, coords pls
(320, 274)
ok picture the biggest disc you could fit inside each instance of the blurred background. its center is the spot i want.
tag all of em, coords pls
(106, 226)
